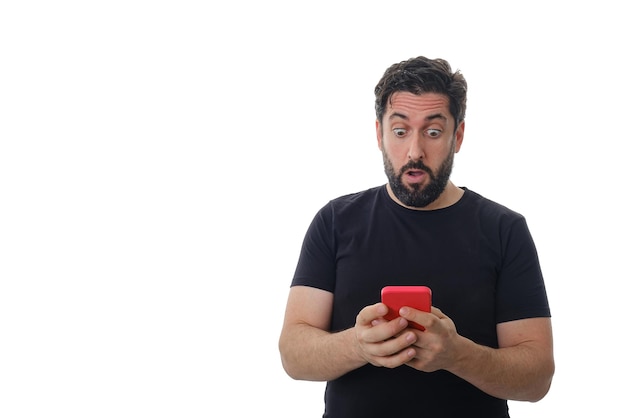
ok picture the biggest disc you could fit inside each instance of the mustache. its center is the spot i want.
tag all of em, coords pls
(416, 165)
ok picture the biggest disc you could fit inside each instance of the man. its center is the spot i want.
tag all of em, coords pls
(488, 336)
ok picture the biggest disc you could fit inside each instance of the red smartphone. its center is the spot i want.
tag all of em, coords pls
(395, 297)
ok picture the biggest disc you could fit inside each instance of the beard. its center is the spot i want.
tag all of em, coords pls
(416, 195)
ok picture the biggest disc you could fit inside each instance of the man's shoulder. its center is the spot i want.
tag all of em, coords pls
(357, 198)
(490, 208)
(353, 204)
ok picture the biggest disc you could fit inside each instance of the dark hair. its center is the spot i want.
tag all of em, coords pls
(422, 75)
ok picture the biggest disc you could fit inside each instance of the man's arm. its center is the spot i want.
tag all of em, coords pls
(520, 369)
(310, 352)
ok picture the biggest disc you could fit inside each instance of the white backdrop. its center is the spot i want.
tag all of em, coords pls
(161, 161)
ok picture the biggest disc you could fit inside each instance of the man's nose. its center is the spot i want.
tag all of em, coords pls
(416, 151)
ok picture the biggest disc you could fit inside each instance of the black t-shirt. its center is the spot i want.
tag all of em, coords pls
(477, 256)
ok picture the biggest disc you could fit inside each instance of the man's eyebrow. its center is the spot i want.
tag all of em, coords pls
(436, 116)
(428, 118)
(398, 115)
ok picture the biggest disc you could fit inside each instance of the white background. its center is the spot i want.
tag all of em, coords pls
(160, 162)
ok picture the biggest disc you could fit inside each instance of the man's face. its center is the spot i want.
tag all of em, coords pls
(418, 142)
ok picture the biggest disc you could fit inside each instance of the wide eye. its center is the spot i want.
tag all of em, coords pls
(433, 133)
(399, 132)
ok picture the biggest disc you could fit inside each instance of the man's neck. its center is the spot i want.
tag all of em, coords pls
(450, 195)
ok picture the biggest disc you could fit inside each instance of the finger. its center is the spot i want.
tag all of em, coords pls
(437, 312)
(370, 313)
(401, 358)
(414, 315)
(415, 363)
(400, 347)
(385, 330)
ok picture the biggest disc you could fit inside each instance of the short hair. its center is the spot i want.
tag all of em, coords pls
(423, 75)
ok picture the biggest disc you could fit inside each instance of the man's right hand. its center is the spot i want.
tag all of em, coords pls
(383, 343)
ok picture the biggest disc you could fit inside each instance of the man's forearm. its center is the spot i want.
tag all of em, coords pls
(309, 353)
(522, 372)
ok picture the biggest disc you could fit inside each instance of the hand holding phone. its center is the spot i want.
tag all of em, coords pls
(395, 297)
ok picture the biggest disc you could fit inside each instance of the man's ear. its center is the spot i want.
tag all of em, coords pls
(379, 134)
(459, 134)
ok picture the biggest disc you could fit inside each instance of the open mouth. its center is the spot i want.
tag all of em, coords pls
(415, 175)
